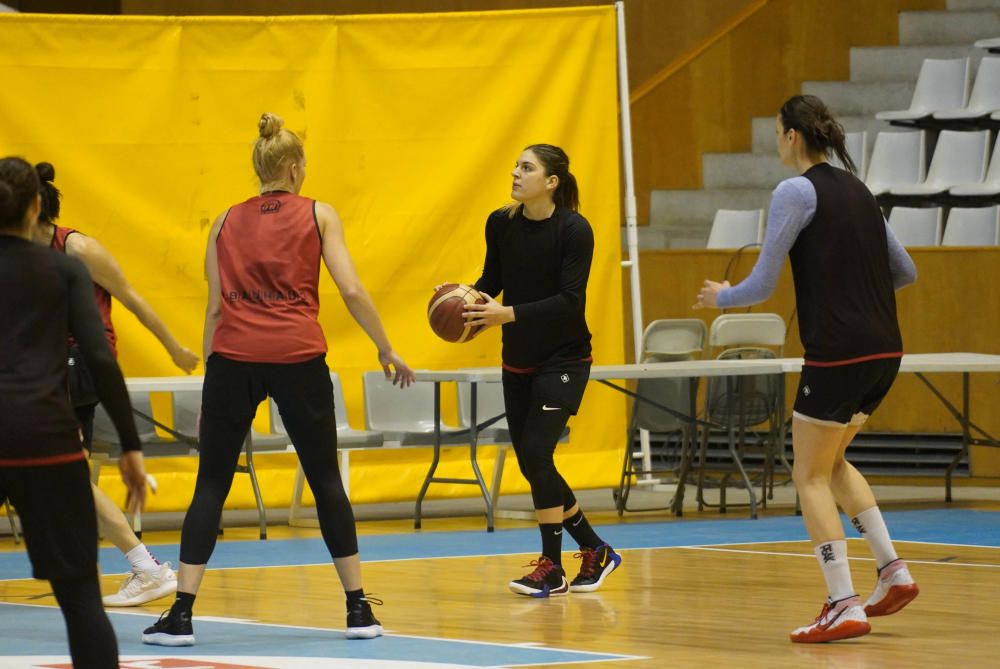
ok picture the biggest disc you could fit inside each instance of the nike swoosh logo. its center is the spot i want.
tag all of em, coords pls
(604, 562)
(559, 532)
(546, 407)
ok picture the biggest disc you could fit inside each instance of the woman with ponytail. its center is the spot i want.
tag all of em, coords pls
(147, 578)
(538, 254)
(43, 467)
(263, 338)
(846, 265)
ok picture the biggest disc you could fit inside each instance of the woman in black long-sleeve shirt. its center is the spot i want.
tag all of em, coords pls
(44, 296)
(538, 254)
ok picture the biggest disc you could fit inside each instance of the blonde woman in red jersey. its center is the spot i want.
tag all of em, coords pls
(262, 338)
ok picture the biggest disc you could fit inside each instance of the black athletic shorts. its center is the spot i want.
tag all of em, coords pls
(560, 386)
(836, 394)
(56, 508)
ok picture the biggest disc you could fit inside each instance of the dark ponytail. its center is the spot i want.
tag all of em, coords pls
(18, 189)
(810, 117)
(50, 194)
(555, 161)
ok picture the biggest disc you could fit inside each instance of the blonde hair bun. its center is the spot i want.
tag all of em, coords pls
(269, 125)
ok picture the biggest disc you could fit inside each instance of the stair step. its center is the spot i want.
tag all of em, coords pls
(744, 170)
(848, 98)
(968, 5)
(693, 207)
(948, 27)
(902, 63)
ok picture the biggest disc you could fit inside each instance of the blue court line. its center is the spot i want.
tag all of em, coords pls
(34, 630)
(948, 526)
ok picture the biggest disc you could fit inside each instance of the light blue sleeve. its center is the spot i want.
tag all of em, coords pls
(793, 205)
(904, 272)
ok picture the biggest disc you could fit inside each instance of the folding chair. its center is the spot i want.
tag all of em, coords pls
(733, 229)
(348, 439)
(664, 340)
(746, 402)
(181, 439)
(406, 416)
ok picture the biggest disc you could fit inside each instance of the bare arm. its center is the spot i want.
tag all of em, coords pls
(359, 303)
(108, 274)
(214, 308)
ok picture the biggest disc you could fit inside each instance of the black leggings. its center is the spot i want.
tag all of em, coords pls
(304, 395)
(57, 513)
(92, 641)
(538, 407)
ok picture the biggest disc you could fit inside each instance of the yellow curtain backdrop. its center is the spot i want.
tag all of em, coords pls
(411, 126)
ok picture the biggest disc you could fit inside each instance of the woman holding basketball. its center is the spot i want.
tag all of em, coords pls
(846, 265)
(538, 254)
(262, 338)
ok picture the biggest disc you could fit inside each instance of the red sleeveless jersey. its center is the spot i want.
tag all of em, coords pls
(269, 251)
(102, 296)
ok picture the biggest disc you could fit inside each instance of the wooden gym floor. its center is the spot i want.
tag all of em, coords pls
(702, 591)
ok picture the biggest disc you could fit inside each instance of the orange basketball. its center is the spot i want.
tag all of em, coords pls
(446, 308)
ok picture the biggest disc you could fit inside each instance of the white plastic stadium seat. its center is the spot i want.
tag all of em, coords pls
(973, 227)
(898, 159)
(992, 44)
(916, 227)
(941, 84)
(985, 97)
(989, 186)
(959, 158)
(733, 229)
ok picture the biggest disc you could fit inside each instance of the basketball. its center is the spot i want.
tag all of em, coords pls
(444, 312)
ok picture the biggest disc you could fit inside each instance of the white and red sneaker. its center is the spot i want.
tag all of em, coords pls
(894, 589)
(843, 619)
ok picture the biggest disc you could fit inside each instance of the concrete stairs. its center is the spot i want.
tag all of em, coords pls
(881, 78)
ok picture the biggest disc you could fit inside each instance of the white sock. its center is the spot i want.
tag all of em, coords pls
(832, 556)
(871, 526)
(141, 559)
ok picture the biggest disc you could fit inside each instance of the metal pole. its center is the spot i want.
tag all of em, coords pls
(631, 233)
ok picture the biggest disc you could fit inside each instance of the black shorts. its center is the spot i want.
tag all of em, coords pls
(558, 386)
(56, 507)
(837, 394)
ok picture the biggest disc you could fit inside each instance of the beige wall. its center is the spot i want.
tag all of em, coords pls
(951, 307)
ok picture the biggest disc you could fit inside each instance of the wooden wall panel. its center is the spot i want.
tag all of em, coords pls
(951, 307)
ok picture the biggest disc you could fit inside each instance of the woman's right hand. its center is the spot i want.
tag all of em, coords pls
(133, 471)
(395, 368)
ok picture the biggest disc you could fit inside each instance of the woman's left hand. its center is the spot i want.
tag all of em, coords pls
(709, 294)
(491, 313)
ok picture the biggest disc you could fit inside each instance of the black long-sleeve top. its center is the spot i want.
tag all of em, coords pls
(45, 296)
(541, 267)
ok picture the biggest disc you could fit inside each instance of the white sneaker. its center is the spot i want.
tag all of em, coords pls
(140, 587)
(844, 619)
(894, 589)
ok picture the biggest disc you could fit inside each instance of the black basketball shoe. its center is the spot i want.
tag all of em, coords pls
(597, 564)
(361, 622)
(172, 629)
(548, 580)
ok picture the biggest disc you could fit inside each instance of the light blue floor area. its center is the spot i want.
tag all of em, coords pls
(948, 526)
(35, 631)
